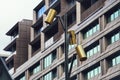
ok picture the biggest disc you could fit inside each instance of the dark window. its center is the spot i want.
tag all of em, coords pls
(71, 17)
(50, 34)
(91, 29)
(21, 77)
(113, 13)
(48, 60)
(51, 75)
(10, 65)
(114, 59)
(92, 71)
(51, 2)
(92, 49)
(113, 36)
(35, 46)
(34, 69)
(41, 11)
(116, 78)
(71, 2)
(38, 29)
(88, 3)
(74, 78)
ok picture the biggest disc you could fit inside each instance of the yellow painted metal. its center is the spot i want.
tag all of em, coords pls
(81, 53)
(72, 37)
(51, 15)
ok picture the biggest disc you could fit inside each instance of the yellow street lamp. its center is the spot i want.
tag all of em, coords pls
(69, 38)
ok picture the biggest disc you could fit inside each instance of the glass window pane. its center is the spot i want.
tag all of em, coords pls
(113, 62)
(88, 54)
(41, 11)
(95, 50)
(96, 71)
(98, 48)
(119, 12)
(91, 52)
(118, 60)
(94, 29)
(98, 27)
(90, 32)
(117, 37)
(88, 76)
(112, 17)
(92, 74)
(116, 14)
(112, 39)
(87, 34)
(99, 69)
(75, 62)
(70, 47)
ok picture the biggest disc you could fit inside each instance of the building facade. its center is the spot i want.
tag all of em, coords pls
(18, 46)
(97, 27)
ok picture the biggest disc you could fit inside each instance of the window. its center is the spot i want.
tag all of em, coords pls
(41, 11)
(48, 76)
(35, 46)
(38, 28)
(71, 47)
(52, 2)
(74, 63)
(93, 72)
(115, 37)
(88, 4)
(35, 69)
(91, 29)
(114, 15)
(71, 17)
(51, 75)
(116, 78)
(23, 78)
(116, 60)
(93, 51)
(49, 59)
(50, 34)
(74, 78)
(71, 2)
(15, 34)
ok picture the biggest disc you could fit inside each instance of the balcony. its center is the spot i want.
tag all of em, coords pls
(52, 2)
(11, 71)
(49, 42)
(11, 56)
(36, 45)
(13, 38)
(94, 7)
(39, 10)
(51, 33)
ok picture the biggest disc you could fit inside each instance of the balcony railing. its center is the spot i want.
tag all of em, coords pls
(13, 38)
(93, 8)
(11, 71)
(49, 42)
(52, 2)
(11, 55)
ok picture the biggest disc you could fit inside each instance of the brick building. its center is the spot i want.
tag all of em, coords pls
(97, 27)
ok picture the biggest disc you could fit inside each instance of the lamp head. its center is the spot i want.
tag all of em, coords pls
(81, 53)
(50, 16)
(72, 37)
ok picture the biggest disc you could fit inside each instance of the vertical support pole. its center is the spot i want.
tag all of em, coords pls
(72, 60)
(66, 49)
